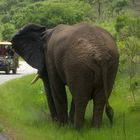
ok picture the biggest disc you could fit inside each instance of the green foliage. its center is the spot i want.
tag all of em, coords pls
(121, 21)
(108, 25)
(7, 5)
(119, 5)
(0, 33)
(129, 45)
(52, 13)
(8, 31)
(127, 26)
(17, 13)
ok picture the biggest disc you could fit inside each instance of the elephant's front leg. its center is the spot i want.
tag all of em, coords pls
(60, 98)
(50, 100)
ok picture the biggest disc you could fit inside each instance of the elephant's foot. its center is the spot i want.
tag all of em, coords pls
(80, 107)
(97, 124)
(60, 118)
(98, 114)
(63, 118)
(61, 121)
(71, 119)
(97, 121)
(54, 118)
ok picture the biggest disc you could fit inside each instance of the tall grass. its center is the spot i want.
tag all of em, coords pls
(24, 114)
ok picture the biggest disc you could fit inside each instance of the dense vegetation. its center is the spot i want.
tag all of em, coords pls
(16, 13)
(120, 18)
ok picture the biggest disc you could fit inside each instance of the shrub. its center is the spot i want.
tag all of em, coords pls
(7, 31)
(121, 21)
(128, 33)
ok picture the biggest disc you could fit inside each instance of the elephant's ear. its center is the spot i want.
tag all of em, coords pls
(47, 35)
(28, 43)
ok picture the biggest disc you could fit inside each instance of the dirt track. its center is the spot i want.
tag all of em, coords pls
(24, 69)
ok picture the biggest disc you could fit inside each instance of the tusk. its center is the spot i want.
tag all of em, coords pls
(35, 79)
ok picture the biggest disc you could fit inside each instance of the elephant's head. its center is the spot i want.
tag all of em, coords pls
(28, 43)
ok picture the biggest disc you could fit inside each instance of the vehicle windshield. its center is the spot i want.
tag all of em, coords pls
(6, 50)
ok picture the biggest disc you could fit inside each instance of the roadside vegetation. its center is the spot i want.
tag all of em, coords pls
(24, 112)
(25, 116)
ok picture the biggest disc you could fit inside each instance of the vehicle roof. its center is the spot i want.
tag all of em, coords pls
(5, 43)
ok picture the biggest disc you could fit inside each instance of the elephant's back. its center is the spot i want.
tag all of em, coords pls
(91, 43)
(85, 37)
(82, 46)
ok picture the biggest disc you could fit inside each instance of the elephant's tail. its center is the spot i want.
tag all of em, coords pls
(108, 108)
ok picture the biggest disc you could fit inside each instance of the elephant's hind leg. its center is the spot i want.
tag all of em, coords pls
(99, 103)
(80, 108)
(81, 92)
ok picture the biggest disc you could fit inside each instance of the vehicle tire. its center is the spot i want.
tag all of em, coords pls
(7, 71)
(14, 71)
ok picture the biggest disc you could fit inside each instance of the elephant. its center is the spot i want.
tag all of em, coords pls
(82, 56)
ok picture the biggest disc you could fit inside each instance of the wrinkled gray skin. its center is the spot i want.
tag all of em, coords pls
(81, 56)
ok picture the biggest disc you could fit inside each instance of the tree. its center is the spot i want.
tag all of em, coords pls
(51, 14)
(119, 5)
(98, 3)
(99, 7)
(133, 1)
(8, 31)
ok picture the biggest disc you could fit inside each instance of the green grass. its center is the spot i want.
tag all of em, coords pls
(24, 114)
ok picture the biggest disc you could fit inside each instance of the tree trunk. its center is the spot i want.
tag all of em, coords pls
(133, 1)
(99, 7)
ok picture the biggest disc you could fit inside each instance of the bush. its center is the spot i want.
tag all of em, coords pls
(128, 33)
(128, 26)
(51, 14)
(121, 21)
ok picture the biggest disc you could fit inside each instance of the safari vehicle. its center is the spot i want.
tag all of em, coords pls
(8, 58)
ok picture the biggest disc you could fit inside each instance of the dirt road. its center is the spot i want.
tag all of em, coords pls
(24, 69)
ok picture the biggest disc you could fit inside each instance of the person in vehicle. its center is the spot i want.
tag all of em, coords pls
(10, 52)
(2, 50)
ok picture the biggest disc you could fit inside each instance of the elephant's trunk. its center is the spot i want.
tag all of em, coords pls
(35, 79)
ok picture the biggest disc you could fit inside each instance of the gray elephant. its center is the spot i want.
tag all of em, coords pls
(81, 56)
